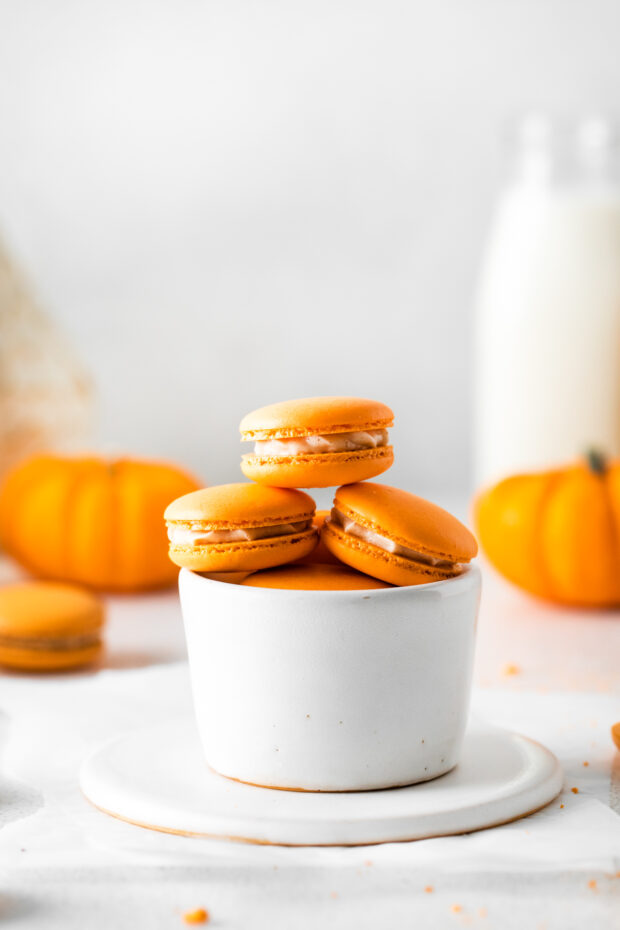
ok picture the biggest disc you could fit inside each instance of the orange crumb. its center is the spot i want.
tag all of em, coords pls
(592, 884)
(482, 912)
(561, 806)
(333, 894)
(429, 889)
(615, 734)
(456, 908)
(368, 862)
(510, 669)
(199, 916)
(586, 764)
(575, 790)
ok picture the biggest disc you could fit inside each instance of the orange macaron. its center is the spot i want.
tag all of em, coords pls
(240, 528)
(46, 626)
(317, 442)
(396, 536)
(318, 577)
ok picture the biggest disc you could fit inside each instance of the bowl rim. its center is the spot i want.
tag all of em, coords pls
(468, 579)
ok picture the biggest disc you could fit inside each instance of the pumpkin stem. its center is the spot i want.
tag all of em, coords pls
(596, 461)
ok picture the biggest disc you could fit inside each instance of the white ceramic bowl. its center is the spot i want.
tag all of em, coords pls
(331, 690)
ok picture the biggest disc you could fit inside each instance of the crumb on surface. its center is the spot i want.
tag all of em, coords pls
(368, 862)
(592, 884)
(199, 916)
(333, 894)
(456, 908)
(561, 806)
(586, 764)
(575, 790)
(511, 669)
(429, 889)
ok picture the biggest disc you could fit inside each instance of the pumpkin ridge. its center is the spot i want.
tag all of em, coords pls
(114, 470)
(615, 535)
(555, 481)
(26, 480)
(71, 503)
(52, 473)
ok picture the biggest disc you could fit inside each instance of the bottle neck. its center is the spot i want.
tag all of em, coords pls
(548, 155)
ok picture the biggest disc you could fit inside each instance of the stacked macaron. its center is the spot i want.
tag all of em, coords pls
(375, 535)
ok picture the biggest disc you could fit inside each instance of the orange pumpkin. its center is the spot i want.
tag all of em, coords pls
(91, 521)
(557, 533)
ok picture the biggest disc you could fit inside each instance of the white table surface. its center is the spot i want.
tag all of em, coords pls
(550, 673)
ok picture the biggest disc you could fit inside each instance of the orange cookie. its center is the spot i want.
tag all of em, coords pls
(47, 626)
(240, 528)
(317, 442)
(321, 554)
(396, 536)
(313, 578)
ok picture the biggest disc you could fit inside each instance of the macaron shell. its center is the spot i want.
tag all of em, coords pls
(315, 415)
(374, 561)
(38, 617)
(248, 556)
(317, 471)
(48, 660)
(226, 577)
(313, 578)
(408, 520)
(40, 609)
(241, 504)
(321, 554)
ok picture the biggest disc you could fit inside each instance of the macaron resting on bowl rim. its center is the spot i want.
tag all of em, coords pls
(48, 626)
(396, 536)
(313, 577)
(240, 527)
(317, 442)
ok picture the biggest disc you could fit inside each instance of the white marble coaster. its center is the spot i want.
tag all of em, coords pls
(158, 778)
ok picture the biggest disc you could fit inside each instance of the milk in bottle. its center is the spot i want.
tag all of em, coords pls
(547, 363)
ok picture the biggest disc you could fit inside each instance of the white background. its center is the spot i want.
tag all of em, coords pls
(227, 203)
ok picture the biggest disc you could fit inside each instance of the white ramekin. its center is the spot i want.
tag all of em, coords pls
(331, 690)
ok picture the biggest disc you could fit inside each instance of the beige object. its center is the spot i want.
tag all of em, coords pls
(45, 394)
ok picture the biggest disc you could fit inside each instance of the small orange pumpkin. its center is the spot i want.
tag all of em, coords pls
(91, 521)
(557, 533)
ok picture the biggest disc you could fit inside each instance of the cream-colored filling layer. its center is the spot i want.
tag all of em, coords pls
(195, 535)
(51, 643)
(382, 542)
(334, 442)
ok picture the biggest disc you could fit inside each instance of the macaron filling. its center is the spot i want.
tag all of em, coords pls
(349, 526)
(316, 445)
(51, 643)
(193, 534)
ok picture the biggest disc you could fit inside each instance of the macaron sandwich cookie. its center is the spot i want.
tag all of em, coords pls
(46, 626)
(317, 442)
(240, 528)
(395, 536)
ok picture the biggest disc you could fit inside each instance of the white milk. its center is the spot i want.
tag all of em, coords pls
(548, 328)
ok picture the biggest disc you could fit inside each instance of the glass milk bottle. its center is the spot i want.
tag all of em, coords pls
(547, 362)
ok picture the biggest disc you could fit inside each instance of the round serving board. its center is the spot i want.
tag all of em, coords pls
(158, 778)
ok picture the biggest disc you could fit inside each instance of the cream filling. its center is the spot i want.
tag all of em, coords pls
(195, 535)
(382, 542)
(52, 643)
(334, 442)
